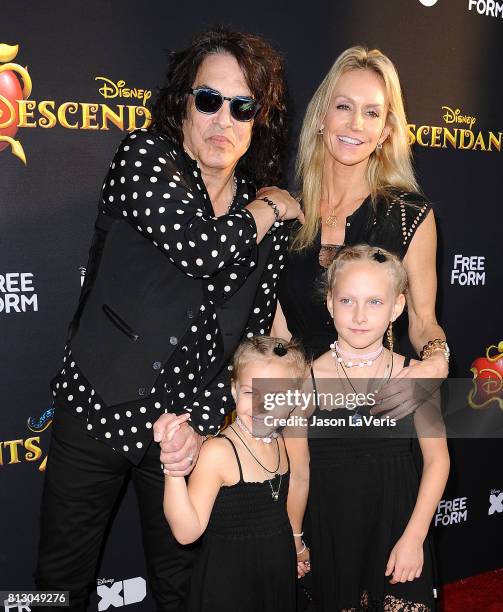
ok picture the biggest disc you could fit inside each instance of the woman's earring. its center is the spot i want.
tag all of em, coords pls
(389, 336)
(320, 131)
(379, 146)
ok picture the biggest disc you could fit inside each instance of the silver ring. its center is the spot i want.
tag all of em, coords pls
(191, 459)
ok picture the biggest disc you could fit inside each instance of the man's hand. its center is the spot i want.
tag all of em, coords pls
(179, 443)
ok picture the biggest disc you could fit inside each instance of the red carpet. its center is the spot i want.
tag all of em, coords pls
(483, 593)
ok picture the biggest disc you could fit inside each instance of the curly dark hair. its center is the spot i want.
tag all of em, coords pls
(263, 70)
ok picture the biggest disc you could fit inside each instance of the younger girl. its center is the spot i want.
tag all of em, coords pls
(369, 513)
(237, 496)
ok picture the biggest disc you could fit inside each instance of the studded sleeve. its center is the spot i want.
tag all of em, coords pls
(412, 209)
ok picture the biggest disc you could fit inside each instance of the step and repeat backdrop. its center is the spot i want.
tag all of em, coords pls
(75, 76)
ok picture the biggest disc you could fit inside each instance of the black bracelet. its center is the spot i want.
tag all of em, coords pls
(277, 215)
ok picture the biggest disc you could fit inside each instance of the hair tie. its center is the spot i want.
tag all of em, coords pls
(379, 256)
(280, 350)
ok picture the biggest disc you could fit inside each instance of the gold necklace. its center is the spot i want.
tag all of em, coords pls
(331, 220)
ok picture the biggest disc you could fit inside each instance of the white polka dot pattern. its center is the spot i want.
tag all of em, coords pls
(175, 218)
(185, 229)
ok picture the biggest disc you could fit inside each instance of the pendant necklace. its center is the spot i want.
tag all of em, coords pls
(389, 367)
(331, 220)
(274, 494)
(356, 415)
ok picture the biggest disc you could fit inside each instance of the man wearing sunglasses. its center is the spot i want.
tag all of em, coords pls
(184, 263)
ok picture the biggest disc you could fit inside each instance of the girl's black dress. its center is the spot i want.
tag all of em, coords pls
(362, 493)
(247, 561)
(360, 497)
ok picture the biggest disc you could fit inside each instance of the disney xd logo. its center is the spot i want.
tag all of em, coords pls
(496, 502)
(121, 592)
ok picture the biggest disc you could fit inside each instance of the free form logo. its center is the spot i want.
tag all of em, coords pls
(468, 270)
(451, 512)
(489, 8)
(17, 293)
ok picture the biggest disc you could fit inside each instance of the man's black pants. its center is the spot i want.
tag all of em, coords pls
(82, 483)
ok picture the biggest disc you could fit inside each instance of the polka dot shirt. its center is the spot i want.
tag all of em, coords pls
(148, 185)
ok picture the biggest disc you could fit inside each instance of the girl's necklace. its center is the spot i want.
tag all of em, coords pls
(275, 471)
(388, 370)
(364, 360)
(265, 439)
(274, 494)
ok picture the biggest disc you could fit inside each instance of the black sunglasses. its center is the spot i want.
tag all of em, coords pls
(210, 101)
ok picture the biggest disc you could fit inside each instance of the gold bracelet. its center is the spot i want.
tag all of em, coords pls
(435, 345)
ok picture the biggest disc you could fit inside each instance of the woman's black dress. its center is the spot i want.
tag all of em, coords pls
(247, 562)
(390, 226)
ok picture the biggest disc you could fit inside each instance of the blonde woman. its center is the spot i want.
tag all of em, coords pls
(358, 186)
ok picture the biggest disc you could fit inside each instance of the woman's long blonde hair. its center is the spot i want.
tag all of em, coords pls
(390, 167)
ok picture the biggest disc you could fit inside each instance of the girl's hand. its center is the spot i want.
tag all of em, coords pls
(406, 560)
(169, 432)
(303, 562)
(174, 425)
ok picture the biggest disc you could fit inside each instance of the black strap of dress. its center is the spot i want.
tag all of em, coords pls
(315, 389)
(286, 452)
(241, 479)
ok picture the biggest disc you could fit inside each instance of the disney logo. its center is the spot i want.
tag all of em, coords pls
(100, 581)
(455, 116)
(109, 89)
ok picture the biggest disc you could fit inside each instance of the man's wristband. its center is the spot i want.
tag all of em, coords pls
(277, 214)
